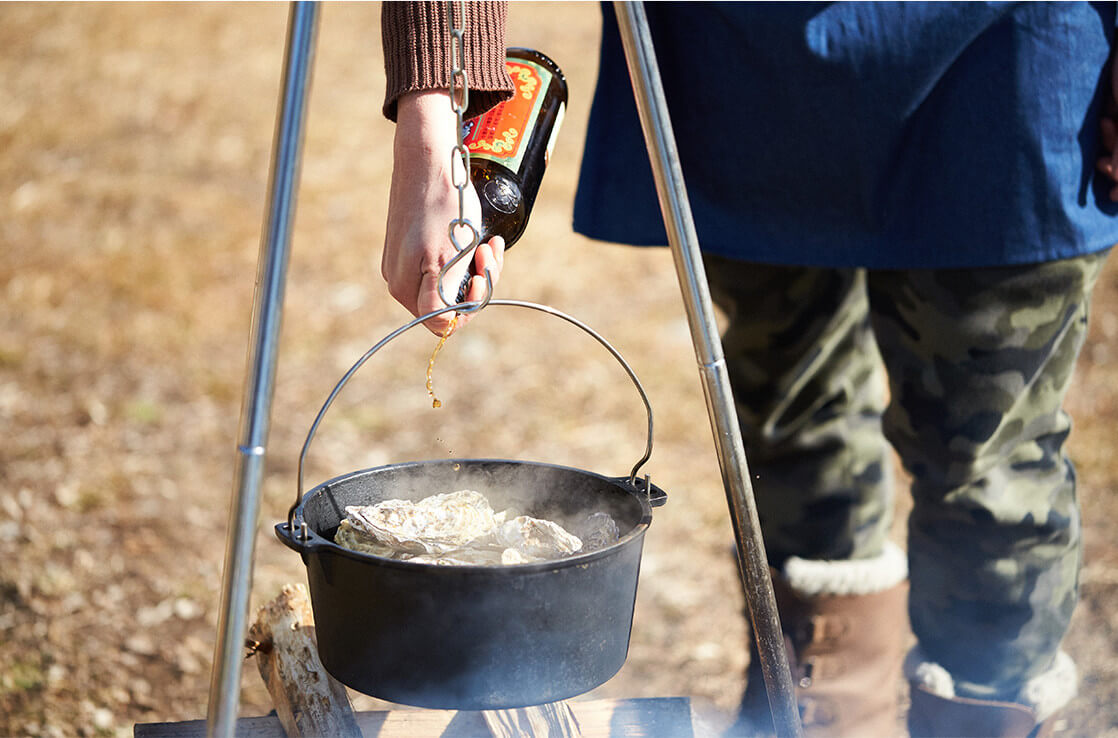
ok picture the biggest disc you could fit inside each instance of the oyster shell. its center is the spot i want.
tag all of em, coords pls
(463, 557)
(535, 539)
(356, 540)
(434, 525)
(461, 529)
(598, 530)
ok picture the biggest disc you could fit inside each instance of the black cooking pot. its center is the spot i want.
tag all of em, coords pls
(474, 637)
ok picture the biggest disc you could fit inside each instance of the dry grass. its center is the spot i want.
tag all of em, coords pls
(135, 142)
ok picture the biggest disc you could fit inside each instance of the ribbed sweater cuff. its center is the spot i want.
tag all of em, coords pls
(417, 52)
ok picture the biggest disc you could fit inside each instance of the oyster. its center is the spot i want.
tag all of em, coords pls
(511, 556)
(463, 557)
(598, 530)
(434, 525)
(461, 529)
(535, 539)
(353, 539)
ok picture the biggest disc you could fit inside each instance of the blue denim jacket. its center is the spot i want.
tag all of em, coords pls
(884, 135)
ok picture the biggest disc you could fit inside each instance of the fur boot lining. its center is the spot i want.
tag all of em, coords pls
(852, 577)
(1045, 693)
(928, 674)
(1053, 689)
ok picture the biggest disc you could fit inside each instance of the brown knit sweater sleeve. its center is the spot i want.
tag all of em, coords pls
(417, 52)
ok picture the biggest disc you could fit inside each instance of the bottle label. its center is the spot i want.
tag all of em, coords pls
(502, 133)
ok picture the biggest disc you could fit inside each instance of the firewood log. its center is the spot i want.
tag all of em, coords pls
(308, 701)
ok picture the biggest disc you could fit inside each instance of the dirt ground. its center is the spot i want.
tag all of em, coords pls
(134, 148)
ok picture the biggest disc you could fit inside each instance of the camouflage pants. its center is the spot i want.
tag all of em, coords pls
(977, 363)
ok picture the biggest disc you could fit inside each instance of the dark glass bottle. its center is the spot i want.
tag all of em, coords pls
(511, 143)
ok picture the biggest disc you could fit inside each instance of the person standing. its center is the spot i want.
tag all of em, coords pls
(903, 209)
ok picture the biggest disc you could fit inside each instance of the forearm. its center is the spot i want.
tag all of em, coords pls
(425, 132)
(417, 52)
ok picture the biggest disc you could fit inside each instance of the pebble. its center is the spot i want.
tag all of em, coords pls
(140, 644)
(9, 531)
(73, 602)
(187, 609)
(102, 718)
(140, 688)
(151, 616)
(707, 651)
(187, 663)
(67, 495)
(56, 673)
(26, 196)
(10, 507)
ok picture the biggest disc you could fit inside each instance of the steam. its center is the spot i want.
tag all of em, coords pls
(568, 497)
(459, 528)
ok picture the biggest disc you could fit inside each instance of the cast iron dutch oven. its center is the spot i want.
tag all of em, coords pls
(474, 637)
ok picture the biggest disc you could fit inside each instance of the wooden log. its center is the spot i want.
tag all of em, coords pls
(308, 701)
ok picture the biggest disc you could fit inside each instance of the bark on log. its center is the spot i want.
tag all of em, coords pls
(308, 701)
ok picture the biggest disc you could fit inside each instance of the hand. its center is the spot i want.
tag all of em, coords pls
(422, 202)
(1108, 127)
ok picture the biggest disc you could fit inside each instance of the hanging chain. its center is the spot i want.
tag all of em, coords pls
(459, 89)
(459, 101)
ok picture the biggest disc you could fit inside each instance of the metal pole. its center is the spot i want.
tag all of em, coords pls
(684, 241)
(256, 408)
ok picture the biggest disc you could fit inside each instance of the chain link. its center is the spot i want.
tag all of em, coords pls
(459, 102)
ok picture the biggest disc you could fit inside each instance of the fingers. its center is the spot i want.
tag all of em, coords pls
(497, 244)
(487, 257)
(1107, 164)
(490, 257)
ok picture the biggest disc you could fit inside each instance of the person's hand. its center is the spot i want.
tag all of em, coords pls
(1107, 162)
(421, 204)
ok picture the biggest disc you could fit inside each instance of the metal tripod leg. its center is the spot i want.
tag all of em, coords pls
(660, 139)
(256, 409)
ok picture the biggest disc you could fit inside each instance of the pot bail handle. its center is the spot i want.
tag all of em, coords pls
(471, 307)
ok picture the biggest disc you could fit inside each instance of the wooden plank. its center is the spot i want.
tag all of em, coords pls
(554, 720)
(653, 717)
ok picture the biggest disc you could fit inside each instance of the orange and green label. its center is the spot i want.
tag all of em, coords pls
(502, 133)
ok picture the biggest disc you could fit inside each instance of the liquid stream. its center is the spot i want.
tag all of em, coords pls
(436, 402)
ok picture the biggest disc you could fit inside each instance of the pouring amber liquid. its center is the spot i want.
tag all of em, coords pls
(436, 402)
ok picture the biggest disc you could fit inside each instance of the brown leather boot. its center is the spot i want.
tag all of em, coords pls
(932, 716)
(936, 712)
(845, 630)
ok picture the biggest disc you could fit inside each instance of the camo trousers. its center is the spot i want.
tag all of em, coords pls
(977, 363)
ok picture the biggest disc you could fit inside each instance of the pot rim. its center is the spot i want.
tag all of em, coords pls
(315, 542)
